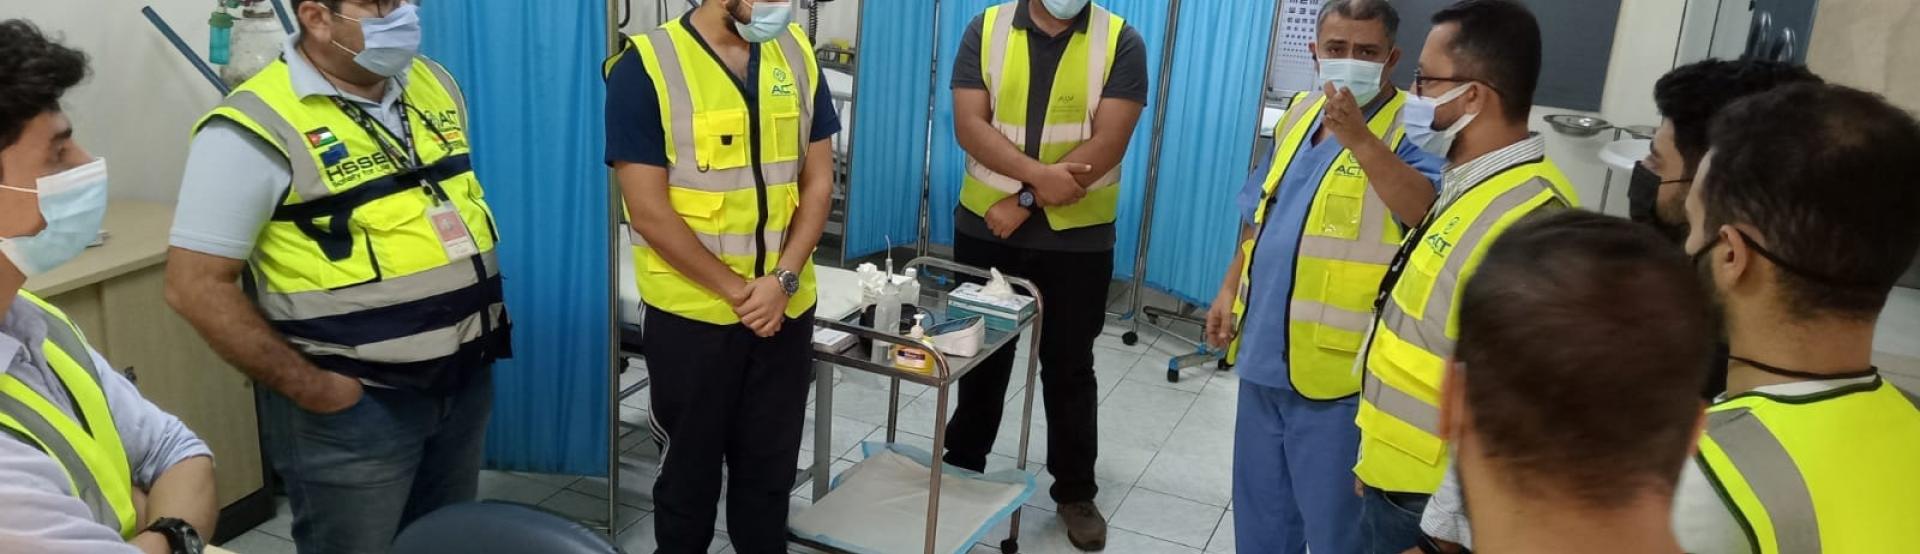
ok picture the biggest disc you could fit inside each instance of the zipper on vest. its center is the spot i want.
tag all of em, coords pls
(760, 190)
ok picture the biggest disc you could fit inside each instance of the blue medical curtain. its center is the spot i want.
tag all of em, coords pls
(531, 74)
(889, 125)
(1148, 17)
(1218, 71)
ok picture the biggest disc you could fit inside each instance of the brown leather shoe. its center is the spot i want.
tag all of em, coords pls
(1085, 528)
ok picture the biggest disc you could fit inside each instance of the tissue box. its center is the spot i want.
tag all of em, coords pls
(1001, 314)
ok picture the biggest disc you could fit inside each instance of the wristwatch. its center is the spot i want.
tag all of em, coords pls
(180, 536)
(789, 281)
(1026, 197)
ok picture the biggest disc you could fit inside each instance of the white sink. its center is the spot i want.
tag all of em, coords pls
(1622, 154)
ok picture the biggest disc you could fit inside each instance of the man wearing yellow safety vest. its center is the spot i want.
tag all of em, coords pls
(1045, 97)
(333, 242)
(1474, 88)
(1802, 221)
(86, 464)
(718, 129)
(1319, 226)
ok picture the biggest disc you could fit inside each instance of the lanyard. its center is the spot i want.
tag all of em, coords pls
(405, 156)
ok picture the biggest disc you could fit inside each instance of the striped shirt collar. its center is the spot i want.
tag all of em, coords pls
(1460, 178)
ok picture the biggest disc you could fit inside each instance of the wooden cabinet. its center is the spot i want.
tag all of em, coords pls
(115, 293)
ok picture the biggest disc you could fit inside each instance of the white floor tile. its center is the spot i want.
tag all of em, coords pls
(583, 508)
(1222, 541)
(1197, 462)
(636, 486)
(282, 523)
(1168, 518)
(1122, 463)
(639, 538)
(500, 485)
(864, 402)
(256, 542)
(1152, 370)
(847, 432)
(1141, 415)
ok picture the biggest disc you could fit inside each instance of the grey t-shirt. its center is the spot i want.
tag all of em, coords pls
(1127, 81)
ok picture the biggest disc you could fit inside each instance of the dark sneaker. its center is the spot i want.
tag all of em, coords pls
(1085, 528)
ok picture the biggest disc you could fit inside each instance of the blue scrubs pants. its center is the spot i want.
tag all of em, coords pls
(1293, 473)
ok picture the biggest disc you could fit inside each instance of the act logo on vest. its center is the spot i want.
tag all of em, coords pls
(782, 83)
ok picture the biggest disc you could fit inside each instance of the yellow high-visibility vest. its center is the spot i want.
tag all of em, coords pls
(1077, 87)
(734, 167)
(87, 444)
(351, 268)
(1349, 238)
(1835, 471)
(1400, 445)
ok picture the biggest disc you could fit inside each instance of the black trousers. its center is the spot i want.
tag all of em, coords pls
(1073, 286)
(721, 394)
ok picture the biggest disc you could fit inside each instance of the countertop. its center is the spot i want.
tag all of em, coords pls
(136, 238)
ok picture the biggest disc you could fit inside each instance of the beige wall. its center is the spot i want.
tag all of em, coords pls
(137, 108)
(1870, 44)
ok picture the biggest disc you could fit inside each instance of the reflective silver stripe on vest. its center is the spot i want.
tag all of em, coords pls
(1768, 469)
(686, 171)
(62, 335)
(1099, 25)
(424, 346)
(1308, 311)
(728, 244)
(455, 276)
(1429, 332)
(995, 70)
(803, 84)
(306, 172)
(1400, 405)
(453, 88)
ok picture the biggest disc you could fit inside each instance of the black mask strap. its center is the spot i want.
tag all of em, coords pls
(1784, 372)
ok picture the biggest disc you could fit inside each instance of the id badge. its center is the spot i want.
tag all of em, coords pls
(454, 237)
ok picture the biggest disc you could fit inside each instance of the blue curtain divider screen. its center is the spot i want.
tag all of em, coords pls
(1218, 72)
(889, 128)
(531, 75)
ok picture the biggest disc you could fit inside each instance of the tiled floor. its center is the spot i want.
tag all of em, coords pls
(1165, 454)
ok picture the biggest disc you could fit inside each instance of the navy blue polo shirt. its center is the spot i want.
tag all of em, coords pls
(634, 130)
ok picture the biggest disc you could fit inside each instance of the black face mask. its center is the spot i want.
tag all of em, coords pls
(1643, 202)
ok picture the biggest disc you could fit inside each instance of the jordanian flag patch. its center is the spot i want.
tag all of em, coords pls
(320, 137)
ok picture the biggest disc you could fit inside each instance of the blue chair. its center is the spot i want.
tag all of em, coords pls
(494, 527)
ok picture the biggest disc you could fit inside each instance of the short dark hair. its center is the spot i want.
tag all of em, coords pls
(1691, 94)
(1585, 340)
(1498, 43)
(1363, 10)
(35, 71)
(1824, 173)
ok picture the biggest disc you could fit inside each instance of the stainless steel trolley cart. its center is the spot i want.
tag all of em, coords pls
(946, 371)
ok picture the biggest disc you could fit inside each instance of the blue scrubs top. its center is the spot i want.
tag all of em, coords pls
(1263, 342)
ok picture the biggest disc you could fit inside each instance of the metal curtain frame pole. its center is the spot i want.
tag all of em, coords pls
(1260, 100)
(925, 221)
(614, 361)
(1163, 90)
(846, 198)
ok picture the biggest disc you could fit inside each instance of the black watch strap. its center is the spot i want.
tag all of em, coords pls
(181, 537)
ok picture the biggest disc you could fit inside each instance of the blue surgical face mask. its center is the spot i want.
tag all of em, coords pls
(391, 41)
(1065, 9)
(1360, 77)
(1418, 119)
(769, 20)
(73, 203)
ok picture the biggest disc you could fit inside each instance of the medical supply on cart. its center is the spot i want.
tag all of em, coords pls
(832, 341)
(959, 337)
(909, 286)
(995, 301)
(917, 360)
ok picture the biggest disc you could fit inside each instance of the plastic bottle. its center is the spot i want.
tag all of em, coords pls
(886, 317)
(910, 288)
(908, 357)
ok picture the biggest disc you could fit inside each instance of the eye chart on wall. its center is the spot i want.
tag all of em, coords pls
(1292, 66)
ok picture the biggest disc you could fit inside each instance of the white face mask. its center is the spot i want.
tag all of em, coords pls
(392, 41)
(73, 202)
(1359, 77)
(769, 20)
(1419, 112)
(1065, 9)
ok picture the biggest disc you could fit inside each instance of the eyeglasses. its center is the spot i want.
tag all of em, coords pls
(1420, 82)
